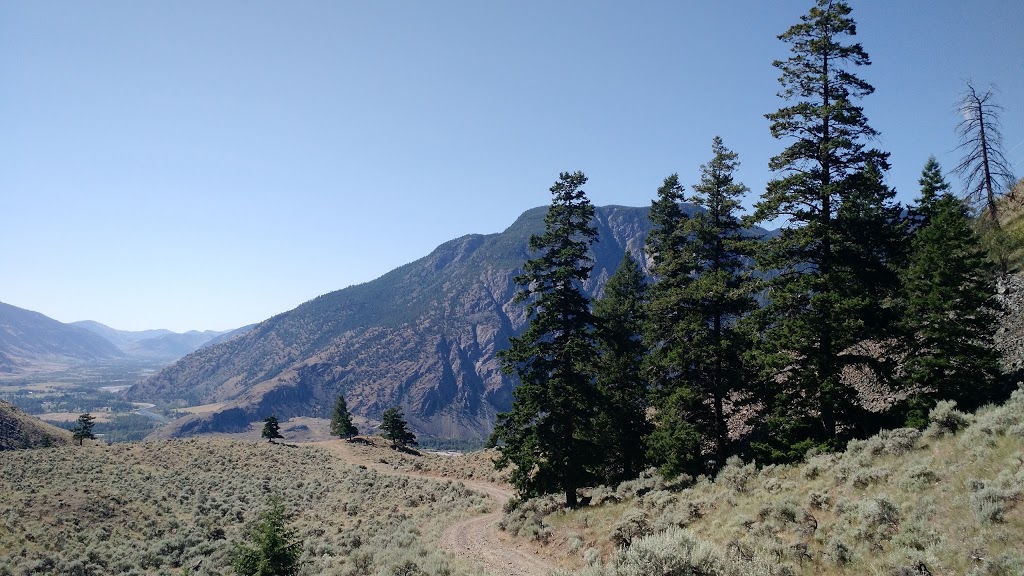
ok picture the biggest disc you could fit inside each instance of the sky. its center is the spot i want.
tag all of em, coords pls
(206, 165)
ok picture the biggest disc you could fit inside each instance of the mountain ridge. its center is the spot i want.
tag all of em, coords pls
(159, 344)
(423, 336)
(30, 339)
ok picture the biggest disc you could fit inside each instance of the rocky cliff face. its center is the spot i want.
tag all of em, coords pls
(424, 336)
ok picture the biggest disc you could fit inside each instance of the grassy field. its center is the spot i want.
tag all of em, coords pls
(944, 501)
(180, 507)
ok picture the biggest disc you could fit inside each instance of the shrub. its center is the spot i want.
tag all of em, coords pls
(944, 418)
(633, 525)
(735, 475)
(677, 552)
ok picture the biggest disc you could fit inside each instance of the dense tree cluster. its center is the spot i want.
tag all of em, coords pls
(859, 313)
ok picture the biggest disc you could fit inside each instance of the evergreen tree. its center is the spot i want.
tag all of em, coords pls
(549, 433)
(272, 548)
(396, 429)
(949, 314)
(83, 428)
(271, 429)
(341, 420)
(933, 186)
(675, 442)
(833, 264)
(622, 425)
(721, 294)
(706, 346)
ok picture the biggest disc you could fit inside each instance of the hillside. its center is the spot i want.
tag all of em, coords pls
(182, 506)
(19, 430)
(29, 340)
(948, 500)
(423, 336)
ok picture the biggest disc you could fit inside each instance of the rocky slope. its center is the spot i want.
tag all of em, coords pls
(19, 430)
(424, 336)
(29, 339)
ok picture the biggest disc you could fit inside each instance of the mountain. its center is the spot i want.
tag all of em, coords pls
(117, 337)
(19, 430)
(29, 339)
(423, 336)
(160, 345)
(227, 336)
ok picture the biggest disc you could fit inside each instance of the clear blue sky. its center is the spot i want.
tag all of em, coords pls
(205, 165)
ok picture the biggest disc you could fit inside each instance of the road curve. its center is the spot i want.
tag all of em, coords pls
(476, 540)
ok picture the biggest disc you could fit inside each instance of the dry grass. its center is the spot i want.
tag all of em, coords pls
(73, 416)
(179, 506)
(203, 409)
(901, 503)
(474, 466)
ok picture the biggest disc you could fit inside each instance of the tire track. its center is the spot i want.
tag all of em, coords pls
(476, 540)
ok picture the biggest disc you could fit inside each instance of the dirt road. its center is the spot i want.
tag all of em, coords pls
(476, 540)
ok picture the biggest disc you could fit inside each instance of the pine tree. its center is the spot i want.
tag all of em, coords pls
(549, 433)
(271, 429)
(833, 264)
(949, 309)
(396, 429)
(933, 185)
(700, 343)
(83, 428)
(341, 420)
(272, 549)
(622, 424)
(675, 442)
(722, 293)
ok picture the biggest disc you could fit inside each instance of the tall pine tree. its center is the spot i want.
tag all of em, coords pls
(622, 424)
(549, 433)
(949, 308)
(722, 293)
(676, 442)
(832, 264)
(706, 303)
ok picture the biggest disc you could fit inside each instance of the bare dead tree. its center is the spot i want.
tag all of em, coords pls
(986, 172)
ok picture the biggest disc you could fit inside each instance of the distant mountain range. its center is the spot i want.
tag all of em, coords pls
(30, 341)
(159, 345)
(423, 336)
